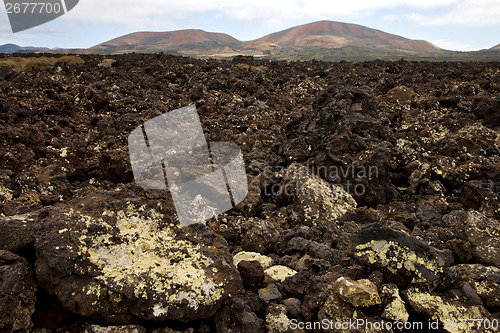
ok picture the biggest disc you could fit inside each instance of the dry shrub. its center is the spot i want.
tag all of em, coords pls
(25, 64)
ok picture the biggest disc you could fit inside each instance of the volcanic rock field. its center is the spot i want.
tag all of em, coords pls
(373, 197)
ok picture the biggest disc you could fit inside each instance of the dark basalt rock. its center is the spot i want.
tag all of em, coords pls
(16, 232)
(17, 293)
(413, 145)
(251, 273)
(402, 258)
(484, 280)
(115, 257)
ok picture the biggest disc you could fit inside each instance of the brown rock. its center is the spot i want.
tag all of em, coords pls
(17, 293)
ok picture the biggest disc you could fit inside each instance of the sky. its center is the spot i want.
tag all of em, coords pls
(462, 25)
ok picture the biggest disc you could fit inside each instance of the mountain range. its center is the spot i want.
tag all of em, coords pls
(11, 48)
(323, 40)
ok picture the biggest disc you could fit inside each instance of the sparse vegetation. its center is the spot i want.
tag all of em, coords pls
(22, 64)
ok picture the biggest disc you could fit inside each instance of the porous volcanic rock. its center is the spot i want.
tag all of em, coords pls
(447, 310)
(118, 258)
(401, 257)
(317, 201)
(484, 235)
(17, 293)
(483, 279)
(411, 146)
(16, 232)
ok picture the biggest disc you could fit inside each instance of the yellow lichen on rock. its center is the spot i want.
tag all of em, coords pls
(279, 273)
(125, 263)
(359, 293)
(264, 261)
(447, 312)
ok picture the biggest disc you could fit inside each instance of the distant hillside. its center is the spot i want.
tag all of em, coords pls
(496, 47)
(11, 48)
(328, 34)
(323, 40)
(314, 40)
(168, 41)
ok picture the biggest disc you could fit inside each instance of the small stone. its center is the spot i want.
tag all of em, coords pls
(251, 272)
(396, 308)
(318, 202)
(116, 329)
(401, 95)
(264, 261)
(426, 213)
(484, 235)
(260, 235)
(276, 319)
(303, 263)
(279, 273)
(249, 322)
(292, 306)
(359, 293)
(269, 294)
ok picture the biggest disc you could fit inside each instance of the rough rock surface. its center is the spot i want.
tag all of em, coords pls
(358, 293)
(280, 273)
(115, 257)
(317, 201)
(400, 256)
(17, 293)
(484, 235)
(395, 307)
(276, 319)
(414, 146)
(16, 232)
(484, 280)
(264, 261)
(449, 312)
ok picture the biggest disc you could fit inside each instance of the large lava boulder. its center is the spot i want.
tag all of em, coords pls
(119, 258)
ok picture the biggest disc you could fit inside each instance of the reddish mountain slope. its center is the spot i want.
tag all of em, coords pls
(336, 34)
(168, 39)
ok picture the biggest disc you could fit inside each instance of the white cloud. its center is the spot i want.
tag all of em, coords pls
(153, 14)
(257, 15)
(453, 46)
(469, 13)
